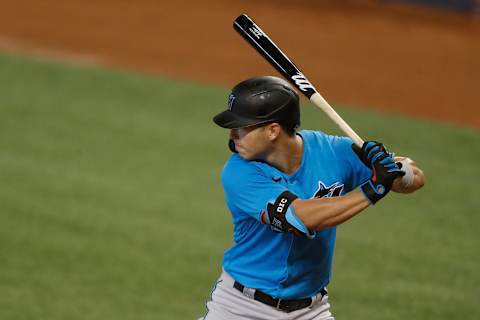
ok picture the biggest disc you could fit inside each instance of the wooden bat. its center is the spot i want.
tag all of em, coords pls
(269, 50)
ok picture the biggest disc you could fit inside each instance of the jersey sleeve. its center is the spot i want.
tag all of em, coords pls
(248, 189)
(252, 192)
(356, 172)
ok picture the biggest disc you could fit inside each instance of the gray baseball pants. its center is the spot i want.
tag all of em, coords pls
(228, 303)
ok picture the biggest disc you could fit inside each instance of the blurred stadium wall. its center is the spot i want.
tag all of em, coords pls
(463, 5)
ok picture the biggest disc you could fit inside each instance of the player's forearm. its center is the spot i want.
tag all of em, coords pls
(322, 213)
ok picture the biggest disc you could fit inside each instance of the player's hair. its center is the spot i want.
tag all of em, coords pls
(289, 130)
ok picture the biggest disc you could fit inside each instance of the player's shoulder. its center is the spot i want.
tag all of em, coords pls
(235, 162)
(237, 168)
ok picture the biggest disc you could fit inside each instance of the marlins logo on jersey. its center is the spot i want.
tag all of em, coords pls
(333, 190)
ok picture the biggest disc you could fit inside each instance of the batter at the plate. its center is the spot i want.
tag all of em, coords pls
(287, 190)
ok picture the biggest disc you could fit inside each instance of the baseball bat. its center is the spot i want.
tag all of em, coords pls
(259, 40)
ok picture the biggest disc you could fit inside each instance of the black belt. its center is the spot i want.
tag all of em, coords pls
(287, 305)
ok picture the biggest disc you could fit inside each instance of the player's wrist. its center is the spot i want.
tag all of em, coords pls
(374, 192)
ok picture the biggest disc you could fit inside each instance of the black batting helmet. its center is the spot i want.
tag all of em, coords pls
(261, 100)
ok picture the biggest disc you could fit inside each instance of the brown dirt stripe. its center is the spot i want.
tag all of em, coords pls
(420, 62)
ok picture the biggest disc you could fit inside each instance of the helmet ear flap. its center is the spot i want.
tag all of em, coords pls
(231, 146)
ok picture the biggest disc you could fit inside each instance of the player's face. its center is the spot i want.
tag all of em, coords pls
(252, 142)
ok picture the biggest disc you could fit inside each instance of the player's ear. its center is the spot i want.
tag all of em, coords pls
(273, 131)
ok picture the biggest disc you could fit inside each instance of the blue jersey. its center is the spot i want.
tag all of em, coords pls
(281, 264)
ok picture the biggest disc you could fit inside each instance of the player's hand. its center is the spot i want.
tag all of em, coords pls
(414, 178)
(384, 170)
(368, 151)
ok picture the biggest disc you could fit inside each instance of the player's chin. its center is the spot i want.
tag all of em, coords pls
(244, 154)
(250, 157)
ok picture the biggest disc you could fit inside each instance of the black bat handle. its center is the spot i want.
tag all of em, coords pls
(267, 48)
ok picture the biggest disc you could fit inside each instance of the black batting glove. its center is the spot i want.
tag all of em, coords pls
(384, 170)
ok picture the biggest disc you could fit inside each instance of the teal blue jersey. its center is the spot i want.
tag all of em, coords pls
(281, 264)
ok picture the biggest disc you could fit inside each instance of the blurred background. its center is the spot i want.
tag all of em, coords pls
(110, 198)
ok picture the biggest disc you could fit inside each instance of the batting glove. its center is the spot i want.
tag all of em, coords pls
(384, 170)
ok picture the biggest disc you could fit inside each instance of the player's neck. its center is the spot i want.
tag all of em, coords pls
(287, 154)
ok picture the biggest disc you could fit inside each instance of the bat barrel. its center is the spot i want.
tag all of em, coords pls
(260, 41)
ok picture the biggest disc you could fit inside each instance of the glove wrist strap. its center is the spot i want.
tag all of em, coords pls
(373, 192)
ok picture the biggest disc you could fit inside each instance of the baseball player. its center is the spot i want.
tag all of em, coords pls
(287, 191)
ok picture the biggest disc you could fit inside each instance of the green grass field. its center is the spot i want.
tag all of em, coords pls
(111, 205)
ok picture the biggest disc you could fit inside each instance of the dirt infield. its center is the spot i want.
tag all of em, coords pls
(400, 59)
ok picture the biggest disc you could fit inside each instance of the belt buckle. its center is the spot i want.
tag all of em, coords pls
(249, 292)
(288, 307)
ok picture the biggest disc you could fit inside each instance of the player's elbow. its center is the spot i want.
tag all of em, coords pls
(308, 223)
